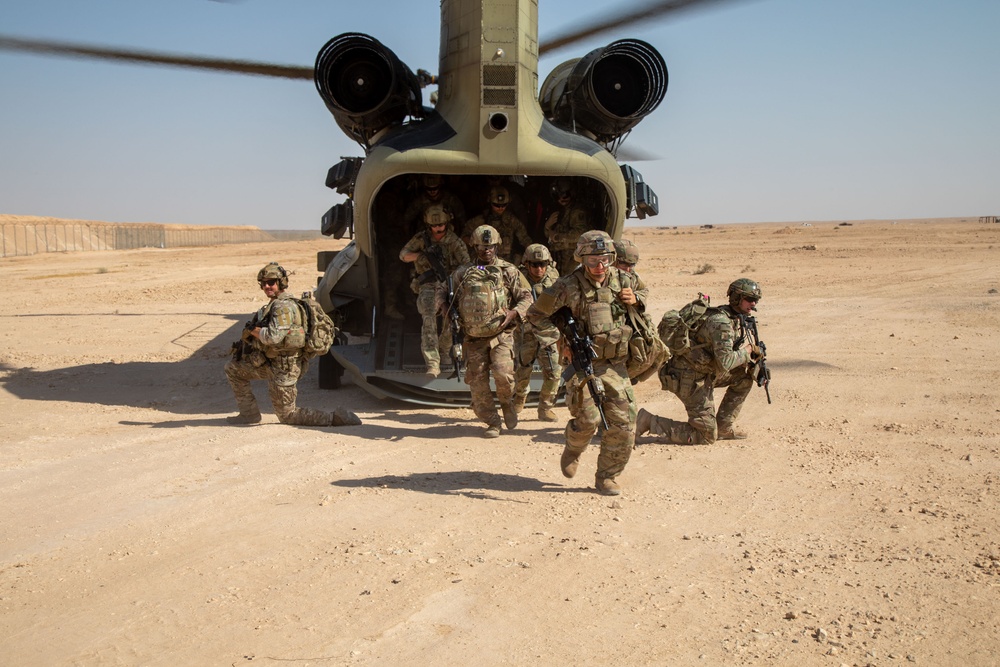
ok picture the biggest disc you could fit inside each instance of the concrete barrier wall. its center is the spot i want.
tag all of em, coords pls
(31, 238)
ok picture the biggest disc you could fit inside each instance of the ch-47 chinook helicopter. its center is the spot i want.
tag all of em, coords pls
(490, 120)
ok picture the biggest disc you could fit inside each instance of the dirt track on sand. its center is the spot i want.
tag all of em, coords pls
(857, 525)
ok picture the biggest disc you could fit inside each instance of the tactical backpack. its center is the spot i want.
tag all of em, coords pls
(678, 327)
(482, 301)
(319, 328)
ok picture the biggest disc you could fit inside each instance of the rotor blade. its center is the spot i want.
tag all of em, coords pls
(44, 47)
(610, 22)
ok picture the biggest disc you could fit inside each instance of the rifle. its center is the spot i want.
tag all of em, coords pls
(245, 344)
(583, 357)
(763, 372)
(456, 329)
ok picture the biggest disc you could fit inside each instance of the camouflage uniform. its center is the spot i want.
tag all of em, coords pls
(276, 357)
(433, 346)
(717, 359)
(598, 309)
(529, 348)
(562, 230)
(495, 353)
(510, 228)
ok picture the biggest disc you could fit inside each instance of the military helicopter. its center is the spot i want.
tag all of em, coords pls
(490, 122)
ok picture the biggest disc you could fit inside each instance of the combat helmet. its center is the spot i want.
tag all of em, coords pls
(743, 287)
(627, 251)
(436, 214)
(431, 181)
(499, 196)
(484, 235)
(537, 252)
(273, 271)
(594, 242)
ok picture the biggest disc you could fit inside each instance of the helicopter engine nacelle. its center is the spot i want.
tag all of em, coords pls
(608, 91)
(365, 85)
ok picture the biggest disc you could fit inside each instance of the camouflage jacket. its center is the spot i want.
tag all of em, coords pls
(598, 308)
(716, 347)
(284, 333)
(509, 227)
(454, 252)
(564, 227)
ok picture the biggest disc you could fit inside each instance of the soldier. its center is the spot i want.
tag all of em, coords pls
(720, 356)
(506, 223)
(564, 226)
(626, 258)
(491, 297)
(276, 339)
(595, 296)
(433, 192)
(441, 241)
(539, 270)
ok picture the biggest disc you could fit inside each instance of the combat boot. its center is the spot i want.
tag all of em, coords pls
(244, 419)
(569, 462)
(546, 413)
(344, 417)
(519, 402)
(509, 415)
(433, 370)
(607, 486)
(727, 432)
(492, 431)
(643, 422)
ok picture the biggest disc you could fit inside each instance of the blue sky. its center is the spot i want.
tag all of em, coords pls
(777, 110)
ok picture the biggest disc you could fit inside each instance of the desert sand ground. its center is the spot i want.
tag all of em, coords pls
(857, 524)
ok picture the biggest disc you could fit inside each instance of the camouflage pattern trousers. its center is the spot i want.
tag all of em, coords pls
(483, 355)
(696, 391)
(530, 349)
(619, 409)
(434, 346)
(281, 373)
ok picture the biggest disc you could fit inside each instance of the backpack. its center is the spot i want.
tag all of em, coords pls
(482, 301)
(677, 327)
(319, 328)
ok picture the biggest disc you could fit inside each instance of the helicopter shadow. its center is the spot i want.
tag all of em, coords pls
(466, 483)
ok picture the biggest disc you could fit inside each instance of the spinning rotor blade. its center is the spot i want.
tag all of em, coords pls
(45, 47)
(611, 22)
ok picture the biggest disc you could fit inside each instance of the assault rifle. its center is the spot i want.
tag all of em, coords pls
(583, 356)
(763, 372)
(245, 344)
(435, 257)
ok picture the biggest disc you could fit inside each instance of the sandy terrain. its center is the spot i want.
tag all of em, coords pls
(857, 525)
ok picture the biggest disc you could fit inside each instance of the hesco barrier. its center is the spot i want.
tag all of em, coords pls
(31, 238)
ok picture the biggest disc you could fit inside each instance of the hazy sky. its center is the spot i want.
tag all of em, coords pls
(777, 110)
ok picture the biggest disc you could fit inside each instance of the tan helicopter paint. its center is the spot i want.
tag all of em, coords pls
(506, 32)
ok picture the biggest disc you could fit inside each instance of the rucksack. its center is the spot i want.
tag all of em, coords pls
(677, 327)
(319, 328)
(482, 301)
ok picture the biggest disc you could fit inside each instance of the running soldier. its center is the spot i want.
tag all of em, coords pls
(271, 349)
(491, 297)
(594, 295)
(448, 251)
(540, 272)
(720, 355)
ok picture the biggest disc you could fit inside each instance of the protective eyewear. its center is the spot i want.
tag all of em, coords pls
(538, 265)
(270, 282)
(593, 261)
(751, 299)
(439, 225)
(622, 262)
(498, 205)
